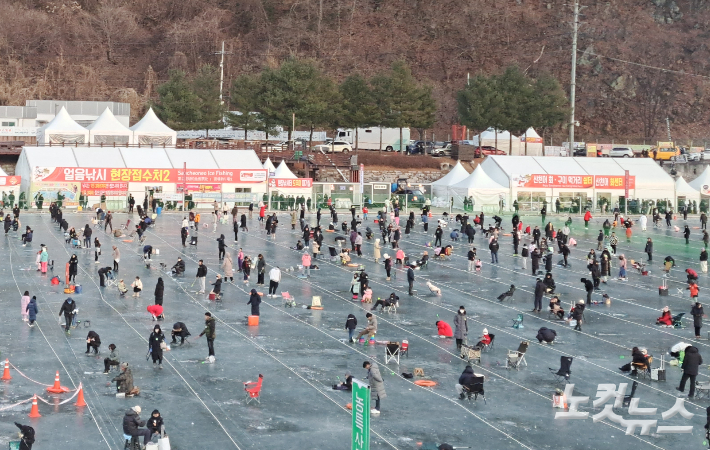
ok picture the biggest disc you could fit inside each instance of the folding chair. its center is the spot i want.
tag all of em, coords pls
(404, 348)
(678, 320)
(643, 370)
(475, 389)
(702, 389)
(288, 300)
(253, 390)
(562, 374)
(628, 398)
(516, 358)
(392, 308)
(392, 352)
(489, 347)
(518, 322)
(471, 354)
(333, 254)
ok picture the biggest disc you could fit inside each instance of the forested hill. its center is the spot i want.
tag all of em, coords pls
(121, 49)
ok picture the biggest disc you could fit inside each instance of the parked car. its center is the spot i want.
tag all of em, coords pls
(487, 150)
(334, 147)
(442, 151)
(420, 147)
(621, 152)
(705, 155)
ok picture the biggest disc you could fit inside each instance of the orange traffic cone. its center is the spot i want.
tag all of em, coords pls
(80, 397)
(57, 388)
(6, 373)
(35, 410)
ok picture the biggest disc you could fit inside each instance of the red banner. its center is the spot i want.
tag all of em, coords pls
(176, 176)
(291, 183)
(104, 188)
(573, 181)
(10, 181)
(613, 182)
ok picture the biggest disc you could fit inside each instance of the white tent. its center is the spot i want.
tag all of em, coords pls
(531, 143)
(502, 140)
(484, 190)
(62, 129)
(283, 171)
(702, 183)
(440, 187)
(683, 189)
(151, 131)
(268, 165)
(106, 129)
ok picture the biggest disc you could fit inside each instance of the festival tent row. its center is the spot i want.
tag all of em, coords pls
(106, 130)
(207, 175)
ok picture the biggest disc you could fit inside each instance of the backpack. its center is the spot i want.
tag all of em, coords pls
(54, 280)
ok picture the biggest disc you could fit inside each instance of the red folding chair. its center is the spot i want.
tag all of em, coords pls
(404, 348)
(253, 390)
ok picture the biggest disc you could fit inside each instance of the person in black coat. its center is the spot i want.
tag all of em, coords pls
(470, 232)
(589, 287)
(159, 289)
(254, 301)
(466, 379)
(535, 258)
(350, 325)
(221, 246)
(27, 436)
(548, 262)
(93, 341)
(516, 241)
(156, 352)
(437, 235)
(578, 314)
(549, 283)
(546, 334)
(235, 226)
(691, 363)
(67, 309)
(132, 424)
(73, 268)
(697, 313)
(243, 222)
(155, 423)
(539, 292)
(649, 249)
(179, 330)
(410, 280)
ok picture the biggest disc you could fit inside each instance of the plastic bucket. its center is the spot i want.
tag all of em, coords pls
(159, 209)
(77, 289)
(253, 321)
(213, 296)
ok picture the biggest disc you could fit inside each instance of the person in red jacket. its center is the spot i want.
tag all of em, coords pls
(666, 317)
(262, 212)
(485, 339)
(156, 311)
(587, 218)
(444, 329)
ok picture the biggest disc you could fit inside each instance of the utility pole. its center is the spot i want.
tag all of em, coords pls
(572, 88)
(221, 72)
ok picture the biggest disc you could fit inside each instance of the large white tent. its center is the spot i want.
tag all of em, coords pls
(485, 191)
(107, 129)
(440, 188)
(684, 190)
(151, 131)
(62, 130)
(702, 183)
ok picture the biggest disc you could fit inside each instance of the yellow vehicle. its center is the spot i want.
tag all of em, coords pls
(665, 151)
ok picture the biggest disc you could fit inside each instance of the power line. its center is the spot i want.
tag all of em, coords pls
(647, 66)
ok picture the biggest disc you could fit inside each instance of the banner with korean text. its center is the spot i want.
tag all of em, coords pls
(286, 183)
(361, 416)
(172, 176)
(545, 181)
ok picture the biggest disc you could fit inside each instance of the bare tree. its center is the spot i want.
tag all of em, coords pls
(654, 100)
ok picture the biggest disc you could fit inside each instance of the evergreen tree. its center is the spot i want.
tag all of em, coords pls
(359, 108)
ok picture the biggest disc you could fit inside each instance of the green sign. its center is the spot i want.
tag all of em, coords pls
(361, 415)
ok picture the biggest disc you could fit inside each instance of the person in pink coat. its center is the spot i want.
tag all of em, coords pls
(24, 301)
(306, 262)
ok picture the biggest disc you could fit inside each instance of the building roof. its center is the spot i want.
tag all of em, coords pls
(458, 173)
(107, 123)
